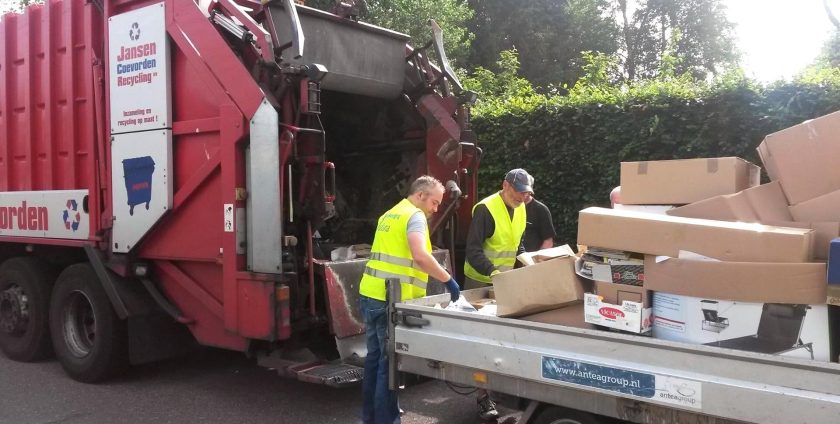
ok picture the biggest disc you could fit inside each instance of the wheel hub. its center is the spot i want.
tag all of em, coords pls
(14, 311)
(79, 325)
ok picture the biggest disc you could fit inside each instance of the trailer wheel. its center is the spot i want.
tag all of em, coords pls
(25, 285)
(559, 415)
(88, 336)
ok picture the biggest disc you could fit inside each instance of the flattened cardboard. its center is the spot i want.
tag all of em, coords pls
(664, 182)
(822, 208)
(758, 204)
(667, 235)
(547, 285)
(738, 281)
(804, 158)
(771, 328)
(570, 316)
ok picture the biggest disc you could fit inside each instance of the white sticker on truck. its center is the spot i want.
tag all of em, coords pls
(139, 73)
(654, 387)
(45, 214)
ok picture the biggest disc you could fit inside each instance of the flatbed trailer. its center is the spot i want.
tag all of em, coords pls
(573, 375)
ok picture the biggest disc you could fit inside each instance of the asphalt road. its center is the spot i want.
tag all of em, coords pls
(212, 386)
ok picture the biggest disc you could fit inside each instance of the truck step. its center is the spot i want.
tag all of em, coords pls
(334, 375)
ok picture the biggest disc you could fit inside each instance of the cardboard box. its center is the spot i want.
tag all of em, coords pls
(738, 281)
(758, 204)
(570, 315)
(547, 285)
(668, 235)
(675, 182)
(771, 328)
(804, 158)
(627, 316)
(822, 208)
(618, 293)
(765, 204)
(629, 272)
(824, 232)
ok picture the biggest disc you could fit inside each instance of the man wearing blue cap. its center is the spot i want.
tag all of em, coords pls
(494, 240)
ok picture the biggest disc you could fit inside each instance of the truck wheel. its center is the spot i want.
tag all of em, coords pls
(559, 415)
(25, 285)
(88, 336)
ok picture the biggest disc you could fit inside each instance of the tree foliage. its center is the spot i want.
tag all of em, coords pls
(548, 34)
(696, 32)
(573, 144)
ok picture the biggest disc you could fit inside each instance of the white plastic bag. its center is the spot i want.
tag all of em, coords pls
(461, 305)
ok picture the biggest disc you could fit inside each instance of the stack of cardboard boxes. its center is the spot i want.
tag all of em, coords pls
(729, 262)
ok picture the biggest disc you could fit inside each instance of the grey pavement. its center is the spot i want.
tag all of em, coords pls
(212, 386)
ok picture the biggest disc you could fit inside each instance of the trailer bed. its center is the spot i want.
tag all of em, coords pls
(634, 378)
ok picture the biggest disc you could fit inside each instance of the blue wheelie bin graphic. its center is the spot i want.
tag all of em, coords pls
(138, 181)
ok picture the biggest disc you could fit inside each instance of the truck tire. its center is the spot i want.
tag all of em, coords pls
(90, 340)
(560, 415)
(25, 285)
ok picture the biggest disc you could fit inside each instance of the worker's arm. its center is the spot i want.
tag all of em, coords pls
(424, 260)
(547, 243)
(481, 228)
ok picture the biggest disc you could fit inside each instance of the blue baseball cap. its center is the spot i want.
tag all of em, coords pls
(520, 180)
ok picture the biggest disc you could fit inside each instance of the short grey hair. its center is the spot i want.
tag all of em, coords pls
(425, 184)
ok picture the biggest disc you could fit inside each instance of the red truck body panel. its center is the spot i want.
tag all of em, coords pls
(55, 135)
(50, 120)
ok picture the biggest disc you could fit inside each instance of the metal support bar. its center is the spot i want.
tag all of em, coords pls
(95, 257)
(393, 295)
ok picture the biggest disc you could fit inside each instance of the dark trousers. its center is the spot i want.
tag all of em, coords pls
(380, 404)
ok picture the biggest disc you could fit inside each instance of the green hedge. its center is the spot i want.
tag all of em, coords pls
(573, 145)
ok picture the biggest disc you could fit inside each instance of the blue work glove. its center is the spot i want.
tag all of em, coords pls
(454, 291)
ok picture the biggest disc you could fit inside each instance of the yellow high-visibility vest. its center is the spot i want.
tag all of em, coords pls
(502, 246)
(390, 256)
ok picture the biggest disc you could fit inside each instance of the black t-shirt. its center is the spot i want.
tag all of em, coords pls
(539, 225)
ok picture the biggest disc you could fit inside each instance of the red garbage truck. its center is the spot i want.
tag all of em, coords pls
(172, 174)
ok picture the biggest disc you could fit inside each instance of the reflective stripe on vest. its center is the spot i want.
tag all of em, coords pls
(391, 257)
(501, 247)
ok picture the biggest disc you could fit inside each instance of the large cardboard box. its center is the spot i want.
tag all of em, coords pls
(758, 204)
(657, 209)
(546, 285)
(738, 281)
(795, 330)
(822, 208)
(804, 158)
(765, 204)
(668, 235)
(674, 182)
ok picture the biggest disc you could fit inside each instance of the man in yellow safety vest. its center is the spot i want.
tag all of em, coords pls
(493, 241)
(402, 250)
